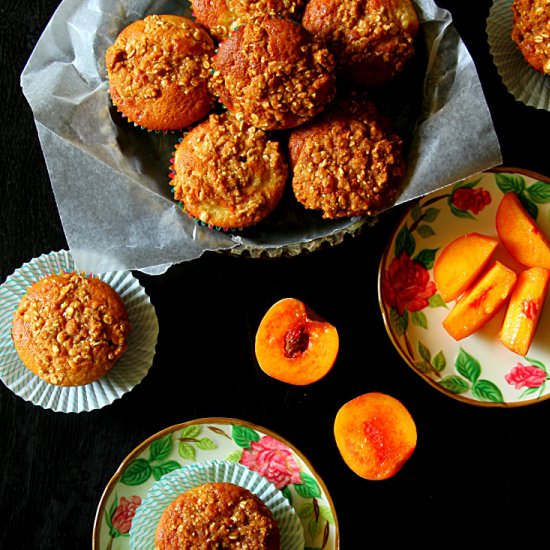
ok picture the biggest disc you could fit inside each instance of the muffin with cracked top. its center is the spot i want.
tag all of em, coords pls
(221, 17)
(272, 74)
(372, 40)
(228, 174)
(217, 515)
(158, 70)
(531, 32)
(348, 161)
(70, 329)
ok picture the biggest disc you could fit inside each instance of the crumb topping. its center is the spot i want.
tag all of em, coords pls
(273, 86)
(165, 52)
(366, 30)
(226, 165)
(352, 168)
(68, 327)
(217, 515)
(531, 32)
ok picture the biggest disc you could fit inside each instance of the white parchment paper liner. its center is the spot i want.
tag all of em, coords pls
(110, 179)
(127, 372)
(521, 80)
(171, 485)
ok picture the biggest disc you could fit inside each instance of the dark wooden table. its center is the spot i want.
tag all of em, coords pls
(475, 470)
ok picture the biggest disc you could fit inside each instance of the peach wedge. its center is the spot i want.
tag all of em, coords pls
(523, 312)
(460, 262)
(520, 234)
(481, 302)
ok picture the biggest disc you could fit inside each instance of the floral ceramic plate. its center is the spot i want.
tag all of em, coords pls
(207, 439)
(477, 369)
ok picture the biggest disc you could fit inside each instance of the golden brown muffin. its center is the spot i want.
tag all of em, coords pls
(227, 174)
(371, 39)
(158, 70)
(217, 515)
(272, 74)
(221, 17)
(70, 329)
(347, 162)
(531, 32)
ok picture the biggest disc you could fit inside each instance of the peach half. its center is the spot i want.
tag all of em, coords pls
(294, 345)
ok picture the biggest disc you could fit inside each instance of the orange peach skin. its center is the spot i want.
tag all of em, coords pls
(460, 262)
(524, 310)
(520, 234)
(293, 345)
(481, 302)
(375, 435)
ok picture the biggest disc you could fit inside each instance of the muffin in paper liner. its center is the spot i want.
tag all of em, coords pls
(130, 369)
(171, 485)
(522, 81)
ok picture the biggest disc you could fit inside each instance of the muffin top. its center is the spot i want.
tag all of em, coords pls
(217, 515)
(531, 32)
(347, 162)
(228, 174)
(272, 74)
(70, 329)
(220, 17)
(158, 70)
(370, 39)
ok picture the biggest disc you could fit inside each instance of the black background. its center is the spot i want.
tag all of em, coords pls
(477, 473)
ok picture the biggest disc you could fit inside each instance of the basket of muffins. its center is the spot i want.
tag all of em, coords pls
(276, 104)
(71, 341)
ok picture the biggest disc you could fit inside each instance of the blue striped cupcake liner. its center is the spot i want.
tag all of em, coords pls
(171, 485)
(124, 376)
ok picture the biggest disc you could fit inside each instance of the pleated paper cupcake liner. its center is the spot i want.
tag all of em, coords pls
(130, 369)
(171, 485)
(521, 80)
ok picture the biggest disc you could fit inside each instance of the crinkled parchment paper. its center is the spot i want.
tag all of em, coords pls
(110, 179)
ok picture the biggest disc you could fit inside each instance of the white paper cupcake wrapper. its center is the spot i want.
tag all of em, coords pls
(125, 375)
(170, 486)
(522, 81)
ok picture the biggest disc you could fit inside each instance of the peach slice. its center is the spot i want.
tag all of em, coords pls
(375, 435)
(481, 302)
(520, 234)
(523, 312)
(460, 263)
(294, 345)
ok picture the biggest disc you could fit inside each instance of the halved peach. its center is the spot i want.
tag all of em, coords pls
(460, 262)
(524, 310)
(375, 435)
(520, 234)
(294, 345)
(481, 302)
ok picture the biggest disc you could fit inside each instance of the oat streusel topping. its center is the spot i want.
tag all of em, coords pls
(71, 325)
(266, 88)
(217, 515)
(227, 170)
(147, 63)
(531, 32)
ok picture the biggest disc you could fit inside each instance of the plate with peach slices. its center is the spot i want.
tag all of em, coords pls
(464, 288)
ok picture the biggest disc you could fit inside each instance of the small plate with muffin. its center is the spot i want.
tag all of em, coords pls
(216, 456)
(70, 341)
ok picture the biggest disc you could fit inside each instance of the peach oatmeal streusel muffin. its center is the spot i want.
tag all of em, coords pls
(158, 70)
(531, 32)
(70, 329)
(272, 74)
(228, 174)
(220, 17)
(347, 162)
(217, 515)
(371, 39)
